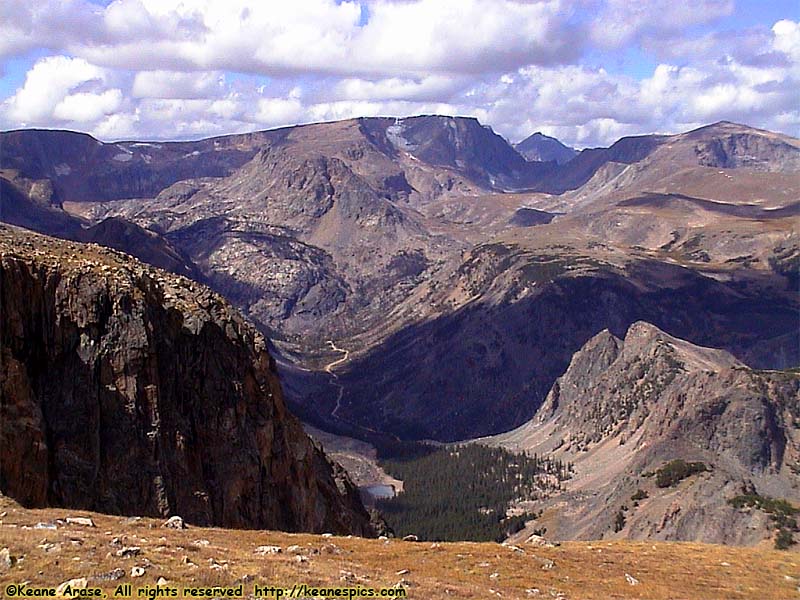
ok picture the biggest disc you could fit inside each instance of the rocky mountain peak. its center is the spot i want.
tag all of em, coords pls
(626, 408)
(543, 148)
(612, 382)
(462, 144)
(645, 339)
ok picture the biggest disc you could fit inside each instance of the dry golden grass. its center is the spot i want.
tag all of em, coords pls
(580, 570)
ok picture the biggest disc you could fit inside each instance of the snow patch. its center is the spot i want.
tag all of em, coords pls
(122, 157)
(147, 145)
(63, 169)
(394, 133)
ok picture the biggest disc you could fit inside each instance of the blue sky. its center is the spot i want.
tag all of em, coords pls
(586, 71)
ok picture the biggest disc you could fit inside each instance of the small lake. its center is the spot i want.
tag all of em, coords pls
(379, 492)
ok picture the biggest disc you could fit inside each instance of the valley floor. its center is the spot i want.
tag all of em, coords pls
(209, 556)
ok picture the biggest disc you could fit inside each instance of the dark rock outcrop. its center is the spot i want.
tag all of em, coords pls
(132, 391)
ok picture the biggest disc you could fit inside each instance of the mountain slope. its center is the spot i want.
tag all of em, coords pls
(35, 205)
(388, 240)
(326, 241)
(509, 318)
(205, 557)
(543, 148)
(131, 391)
(626, 408)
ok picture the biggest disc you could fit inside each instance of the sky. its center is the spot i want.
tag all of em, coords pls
(585, 71)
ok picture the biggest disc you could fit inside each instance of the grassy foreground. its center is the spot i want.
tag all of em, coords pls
(212, 556)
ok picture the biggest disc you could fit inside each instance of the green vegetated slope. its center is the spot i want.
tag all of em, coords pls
(464, 492)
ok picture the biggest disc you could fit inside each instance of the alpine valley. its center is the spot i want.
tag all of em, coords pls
(631, 311)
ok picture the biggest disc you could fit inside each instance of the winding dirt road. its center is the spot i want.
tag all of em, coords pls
(335, 381)
(334, 378)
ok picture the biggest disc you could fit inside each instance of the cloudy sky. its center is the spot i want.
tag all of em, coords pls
(586, 71)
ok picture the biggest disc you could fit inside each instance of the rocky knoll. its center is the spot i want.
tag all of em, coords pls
(625, 409)
(132, 391)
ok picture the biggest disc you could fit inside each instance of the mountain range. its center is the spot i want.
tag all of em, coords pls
(421, 278)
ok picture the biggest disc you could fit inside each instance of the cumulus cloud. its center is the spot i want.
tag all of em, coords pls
(51, 24)
(174, 84)
(313, 36)
(430, 35)
(429, 88)
(48, 84)
(621, 21)
(88, 106)
(787, 40)
(189, 68)
(279, 111)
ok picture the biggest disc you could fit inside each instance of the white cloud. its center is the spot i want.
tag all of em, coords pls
(432, 35)
(274, 112)
(621, 21)
(348, 109)
(787, 40)
(429, 88)
(171, 68)
(86, 107)
(119, 126)
(274, 37)
(174, 84)
(25, 25)
(47, 84)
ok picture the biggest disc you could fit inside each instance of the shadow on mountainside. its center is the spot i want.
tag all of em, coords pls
(486, 368)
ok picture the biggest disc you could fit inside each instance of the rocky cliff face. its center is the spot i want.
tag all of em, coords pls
(461, 144)
(732, 146)
(132, 391)
(626, 408)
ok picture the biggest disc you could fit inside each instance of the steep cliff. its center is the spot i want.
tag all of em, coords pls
(625, 410)
(132, 391)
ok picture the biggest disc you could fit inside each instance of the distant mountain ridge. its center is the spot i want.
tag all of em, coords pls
(36, 206)
(543, 148)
